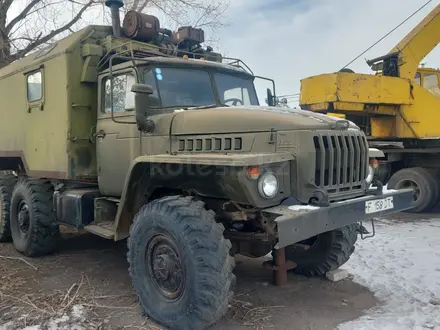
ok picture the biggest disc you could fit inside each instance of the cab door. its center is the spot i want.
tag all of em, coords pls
(117, 138)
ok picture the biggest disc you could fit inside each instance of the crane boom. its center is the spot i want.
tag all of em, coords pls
(403, 59)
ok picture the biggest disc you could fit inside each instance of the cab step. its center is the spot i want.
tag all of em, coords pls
(105, 229)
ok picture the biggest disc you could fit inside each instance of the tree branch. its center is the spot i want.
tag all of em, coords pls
(39, 41)
(22, 15)
(142, 7)
(135, 5)
(4, 5)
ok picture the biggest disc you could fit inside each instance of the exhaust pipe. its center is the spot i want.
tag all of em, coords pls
(114, 6)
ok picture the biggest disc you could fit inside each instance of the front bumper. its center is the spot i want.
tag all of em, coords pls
(297, 223)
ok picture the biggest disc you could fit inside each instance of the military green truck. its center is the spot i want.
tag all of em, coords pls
(136, 132)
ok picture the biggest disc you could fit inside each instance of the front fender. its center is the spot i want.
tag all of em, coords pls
(221, 176)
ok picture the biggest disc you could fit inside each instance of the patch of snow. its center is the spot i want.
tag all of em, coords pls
(78, 311)
(401, 265)
(68, 321)
(56, 324)
(7, 325)
(385, 189)
(337, 275)
(303, 207)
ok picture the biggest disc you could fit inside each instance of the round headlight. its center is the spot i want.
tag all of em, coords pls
(268, 185)
(370, 175)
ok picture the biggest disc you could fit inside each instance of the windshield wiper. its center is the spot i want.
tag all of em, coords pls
(202, 107)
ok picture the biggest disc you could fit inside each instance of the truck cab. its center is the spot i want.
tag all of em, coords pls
(429, 79)
(176, 85)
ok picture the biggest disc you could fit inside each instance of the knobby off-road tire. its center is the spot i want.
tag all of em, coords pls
(328, 251)
(424, 183)
(180, 264)
(7, 183)
(34, 228)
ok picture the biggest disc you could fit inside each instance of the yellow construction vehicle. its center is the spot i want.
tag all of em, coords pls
(398, 108)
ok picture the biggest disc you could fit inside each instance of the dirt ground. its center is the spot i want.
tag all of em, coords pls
(92, 272)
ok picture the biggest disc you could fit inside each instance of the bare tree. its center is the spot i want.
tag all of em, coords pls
(26, 25)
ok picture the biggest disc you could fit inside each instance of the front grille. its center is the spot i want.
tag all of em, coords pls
(341, 160)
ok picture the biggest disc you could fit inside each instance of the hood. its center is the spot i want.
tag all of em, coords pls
(250, 119)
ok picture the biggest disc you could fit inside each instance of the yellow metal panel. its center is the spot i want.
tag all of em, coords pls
(338, 115)
(355, 89)
(382, 109)
(363, 88)
(423, 116)
(318, 106)
(348, 106)
(318, 89)
(383, 127)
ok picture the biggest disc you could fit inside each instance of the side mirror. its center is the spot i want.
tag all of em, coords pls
(142, 94)
(270, 98)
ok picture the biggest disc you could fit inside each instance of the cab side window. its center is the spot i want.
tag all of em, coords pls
(431, 83)
(123, 97)
(34, 86)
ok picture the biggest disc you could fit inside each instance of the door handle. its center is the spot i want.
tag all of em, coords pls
(100, 134)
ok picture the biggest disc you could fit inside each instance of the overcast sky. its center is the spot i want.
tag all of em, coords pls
(288, 40)
(292, 39)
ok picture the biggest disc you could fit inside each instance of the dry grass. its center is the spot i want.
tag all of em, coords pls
(20, 307)
(247, 314)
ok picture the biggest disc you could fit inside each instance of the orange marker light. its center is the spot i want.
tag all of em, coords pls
(185, 57)
(253, 172)
(374, 163)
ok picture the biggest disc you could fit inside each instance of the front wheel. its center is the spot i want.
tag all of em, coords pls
(180, 264)
(327, 251)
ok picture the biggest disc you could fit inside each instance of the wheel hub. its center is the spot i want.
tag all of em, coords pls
(165, 267)
(412, 185)
(23, 218)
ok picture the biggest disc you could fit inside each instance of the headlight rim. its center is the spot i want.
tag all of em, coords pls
(263, 176)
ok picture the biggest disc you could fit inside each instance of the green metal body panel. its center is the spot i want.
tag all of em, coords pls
(51, 137)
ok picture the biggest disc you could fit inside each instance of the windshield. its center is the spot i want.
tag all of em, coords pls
(178, 87)
(234, 90)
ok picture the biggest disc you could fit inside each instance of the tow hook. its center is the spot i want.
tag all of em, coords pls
(364, 232)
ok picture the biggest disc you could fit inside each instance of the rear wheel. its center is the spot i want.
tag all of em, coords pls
(33, 225)
(327, 251)
(7, 183)
(424, 184)
(180, 263)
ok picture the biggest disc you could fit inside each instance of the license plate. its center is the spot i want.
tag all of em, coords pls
(378, 205)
